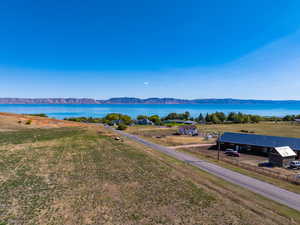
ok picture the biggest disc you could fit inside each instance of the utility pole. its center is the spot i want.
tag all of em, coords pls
(219, 145)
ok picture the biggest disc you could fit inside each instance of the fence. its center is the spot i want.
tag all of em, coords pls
(260, 170)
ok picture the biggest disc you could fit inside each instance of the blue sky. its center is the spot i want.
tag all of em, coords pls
(184, 49)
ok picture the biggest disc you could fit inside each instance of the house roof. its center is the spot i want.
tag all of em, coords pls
(261, 140)
(285, 151)
(181, 121)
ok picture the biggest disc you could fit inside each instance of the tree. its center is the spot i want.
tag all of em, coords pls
(141, 117)
(215, 119)
(172, 116)
(289, 118)
(221, 116)
(208, 118)
(255, 118)
(201, 118)
(112, 117)
(121, 126)
(155, 119)
(126, 119)
(231, 116)
(186, 115)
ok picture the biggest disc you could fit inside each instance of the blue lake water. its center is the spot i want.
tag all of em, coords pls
(62, 111)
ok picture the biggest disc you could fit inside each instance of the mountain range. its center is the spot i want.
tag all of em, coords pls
(127, 100)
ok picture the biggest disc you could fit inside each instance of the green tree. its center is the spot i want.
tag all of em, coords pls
(155, 119)
(121, 126)
(221, 116)
(126, 119)
(231, 116)
(208, 118)
(215, 119)
(201, 118)
(172, 116)
(255, 118)
(186, 115)
(141, 117)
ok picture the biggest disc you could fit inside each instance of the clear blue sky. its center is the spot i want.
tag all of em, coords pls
(170, 48)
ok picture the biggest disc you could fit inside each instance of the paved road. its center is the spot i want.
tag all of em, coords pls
(267, 190)
(191, 146)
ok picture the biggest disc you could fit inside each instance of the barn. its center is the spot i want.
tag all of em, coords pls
(281, 156)
(257, 144)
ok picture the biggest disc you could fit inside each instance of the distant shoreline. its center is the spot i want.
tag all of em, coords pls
(148, 101)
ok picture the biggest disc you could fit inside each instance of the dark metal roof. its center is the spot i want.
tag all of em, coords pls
(260, 140)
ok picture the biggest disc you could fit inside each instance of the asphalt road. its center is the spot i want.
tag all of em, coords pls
(267, 190)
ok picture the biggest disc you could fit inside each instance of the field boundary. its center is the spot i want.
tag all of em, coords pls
(260, 170)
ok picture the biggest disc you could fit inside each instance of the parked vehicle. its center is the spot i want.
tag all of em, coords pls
(228, 150)
(295, 165)
(231, 152)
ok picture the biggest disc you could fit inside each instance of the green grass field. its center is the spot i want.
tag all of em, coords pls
(84, 176)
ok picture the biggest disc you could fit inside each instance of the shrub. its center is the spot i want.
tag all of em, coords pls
(38, 114)
(121, 127)
(28, 122)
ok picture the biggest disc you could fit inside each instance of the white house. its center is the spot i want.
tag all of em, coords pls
(188, 130)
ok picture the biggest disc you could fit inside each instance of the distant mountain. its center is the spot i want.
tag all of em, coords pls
(47, 101)
(126, 100)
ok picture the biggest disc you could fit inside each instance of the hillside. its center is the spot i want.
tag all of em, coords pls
(83, 175)
(127, 100)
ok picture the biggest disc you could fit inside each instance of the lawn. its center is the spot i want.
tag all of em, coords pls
(85, 176)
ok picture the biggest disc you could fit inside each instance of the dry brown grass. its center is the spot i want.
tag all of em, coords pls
(285, 129)
(84, 176)
(11, 121)
(165, 136)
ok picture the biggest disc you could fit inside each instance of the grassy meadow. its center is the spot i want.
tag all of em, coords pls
(82, 175)
(285, 129)
(165, 135)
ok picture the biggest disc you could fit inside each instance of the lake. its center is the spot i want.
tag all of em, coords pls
(62, 111)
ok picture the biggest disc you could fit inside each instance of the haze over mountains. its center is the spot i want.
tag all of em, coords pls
(127, 100)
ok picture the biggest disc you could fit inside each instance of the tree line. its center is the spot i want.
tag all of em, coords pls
(210, 118)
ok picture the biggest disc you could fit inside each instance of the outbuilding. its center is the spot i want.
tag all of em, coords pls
(258, 144)
(188, 130)
(144, 122)
(281, 156)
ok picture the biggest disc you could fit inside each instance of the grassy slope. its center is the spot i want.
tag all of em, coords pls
(79, 176)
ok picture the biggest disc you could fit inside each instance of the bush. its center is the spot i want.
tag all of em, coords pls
(121, 127)
(84, 119)
(28, 122)
(38, 114)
